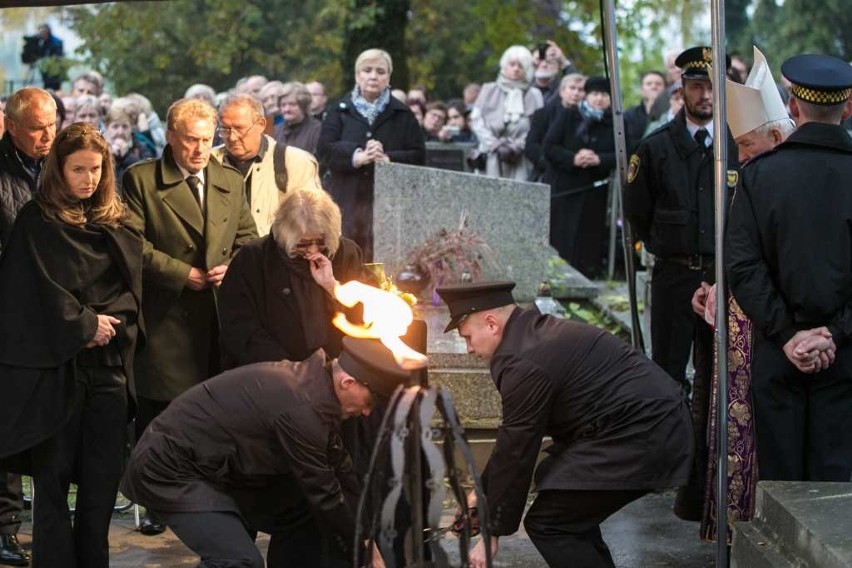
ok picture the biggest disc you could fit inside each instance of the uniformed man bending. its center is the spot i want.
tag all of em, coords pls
(620, 426)
(789, 261)
(259, 448)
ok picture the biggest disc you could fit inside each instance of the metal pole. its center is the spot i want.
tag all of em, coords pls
(720, 154)
(610, 38)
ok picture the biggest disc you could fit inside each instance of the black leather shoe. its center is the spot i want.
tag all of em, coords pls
(11, 553)
(151, 525)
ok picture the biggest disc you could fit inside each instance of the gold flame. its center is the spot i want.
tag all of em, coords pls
(386, 317)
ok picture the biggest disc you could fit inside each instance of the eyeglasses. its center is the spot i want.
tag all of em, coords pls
(307, 243)
(226, 131)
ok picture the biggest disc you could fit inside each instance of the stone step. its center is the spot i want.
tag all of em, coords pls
(807, 522)
(754, 549)
(476, 400)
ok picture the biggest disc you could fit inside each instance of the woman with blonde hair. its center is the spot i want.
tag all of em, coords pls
(70, 289)
(501, 116)
(276, 300)
(365, 127)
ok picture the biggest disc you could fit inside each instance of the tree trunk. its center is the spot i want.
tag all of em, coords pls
(381, 24)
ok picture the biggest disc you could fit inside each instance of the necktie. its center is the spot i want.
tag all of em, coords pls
(701, 136)
(195, 185)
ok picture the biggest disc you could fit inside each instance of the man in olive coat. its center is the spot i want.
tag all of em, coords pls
(189, 239)
(620, 426)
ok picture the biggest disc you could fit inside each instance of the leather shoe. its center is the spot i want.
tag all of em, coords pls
(11, 553)
(151, 525)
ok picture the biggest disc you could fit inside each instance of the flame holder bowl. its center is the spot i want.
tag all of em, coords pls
(411, 477)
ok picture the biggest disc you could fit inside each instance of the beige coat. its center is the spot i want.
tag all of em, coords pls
(302, 173)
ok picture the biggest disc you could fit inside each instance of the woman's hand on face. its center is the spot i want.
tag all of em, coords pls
(119, 147)
(105, 331)
(321, 270)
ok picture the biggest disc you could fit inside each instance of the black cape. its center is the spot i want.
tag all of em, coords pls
(46, 267)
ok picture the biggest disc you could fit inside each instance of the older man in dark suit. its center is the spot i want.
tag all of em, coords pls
(193, 214)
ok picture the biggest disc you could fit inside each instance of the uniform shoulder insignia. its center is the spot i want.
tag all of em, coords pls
(733, 178)
(633, 168)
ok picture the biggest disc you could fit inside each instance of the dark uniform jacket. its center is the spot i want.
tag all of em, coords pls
(270, 310)
(789, 240)
(669, 199)
(55, 279)
(618, 422)
(243, 441)
(180, 321)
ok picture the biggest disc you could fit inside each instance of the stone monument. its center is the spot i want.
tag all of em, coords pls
(412, 203)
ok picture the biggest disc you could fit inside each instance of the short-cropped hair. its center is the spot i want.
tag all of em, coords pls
(372, 55)
(246, 100)
(306, 211)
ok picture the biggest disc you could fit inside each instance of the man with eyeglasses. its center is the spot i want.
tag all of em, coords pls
(193, 216)
(30, 131)
(270, 169)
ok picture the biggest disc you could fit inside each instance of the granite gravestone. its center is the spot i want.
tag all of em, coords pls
(412, 203)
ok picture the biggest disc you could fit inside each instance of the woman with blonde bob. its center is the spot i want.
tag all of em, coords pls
(365, 127)
(276, 300)
(70, 289)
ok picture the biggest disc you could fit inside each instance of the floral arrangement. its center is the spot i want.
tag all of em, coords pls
(387, 285)
(452, 257)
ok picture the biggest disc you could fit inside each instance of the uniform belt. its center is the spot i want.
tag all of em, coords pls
(692, 261)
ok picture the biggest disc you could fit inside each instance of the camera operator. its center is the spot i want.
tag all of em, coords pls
(37, 47)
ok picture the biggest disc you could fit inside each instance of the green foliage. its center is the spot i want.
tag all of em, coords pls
(160, 48)
(589, 314)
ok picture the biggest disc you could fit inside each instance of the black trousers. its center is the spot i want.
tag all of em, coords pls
(223, 540)
(675, 329)
(565, 526)
(89, 450)
(11, 503)
(803, 421)
(219, 538)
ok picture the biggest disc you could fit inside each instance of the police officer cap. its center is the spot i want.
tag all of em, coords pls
(819, 79)
(695, 62)
(466, 299)
(372, 364)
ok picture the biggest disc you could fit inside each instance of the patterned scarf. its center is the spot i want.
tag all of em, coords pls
(367, 109)
(589, 112)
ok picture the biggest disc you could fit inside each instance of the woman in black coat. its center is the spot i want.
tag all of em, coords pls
(276, 299)
(580, 148)
(70, 292)
(365, 127)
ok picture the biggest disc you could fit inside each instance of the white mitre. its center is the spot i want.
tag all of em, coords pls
(755, 103)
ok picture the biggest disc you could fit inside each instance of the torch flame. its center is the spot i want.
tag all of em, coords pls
(386, 317)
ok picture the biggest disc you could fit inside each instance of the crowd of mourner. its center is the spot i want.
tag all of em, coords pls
(168, 283)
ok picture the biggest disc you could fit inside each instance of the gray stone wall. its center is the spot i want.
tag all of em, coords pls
(412, 203)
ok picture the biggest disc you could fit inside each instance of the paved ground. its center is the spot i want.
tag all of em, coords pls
(645, 534)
